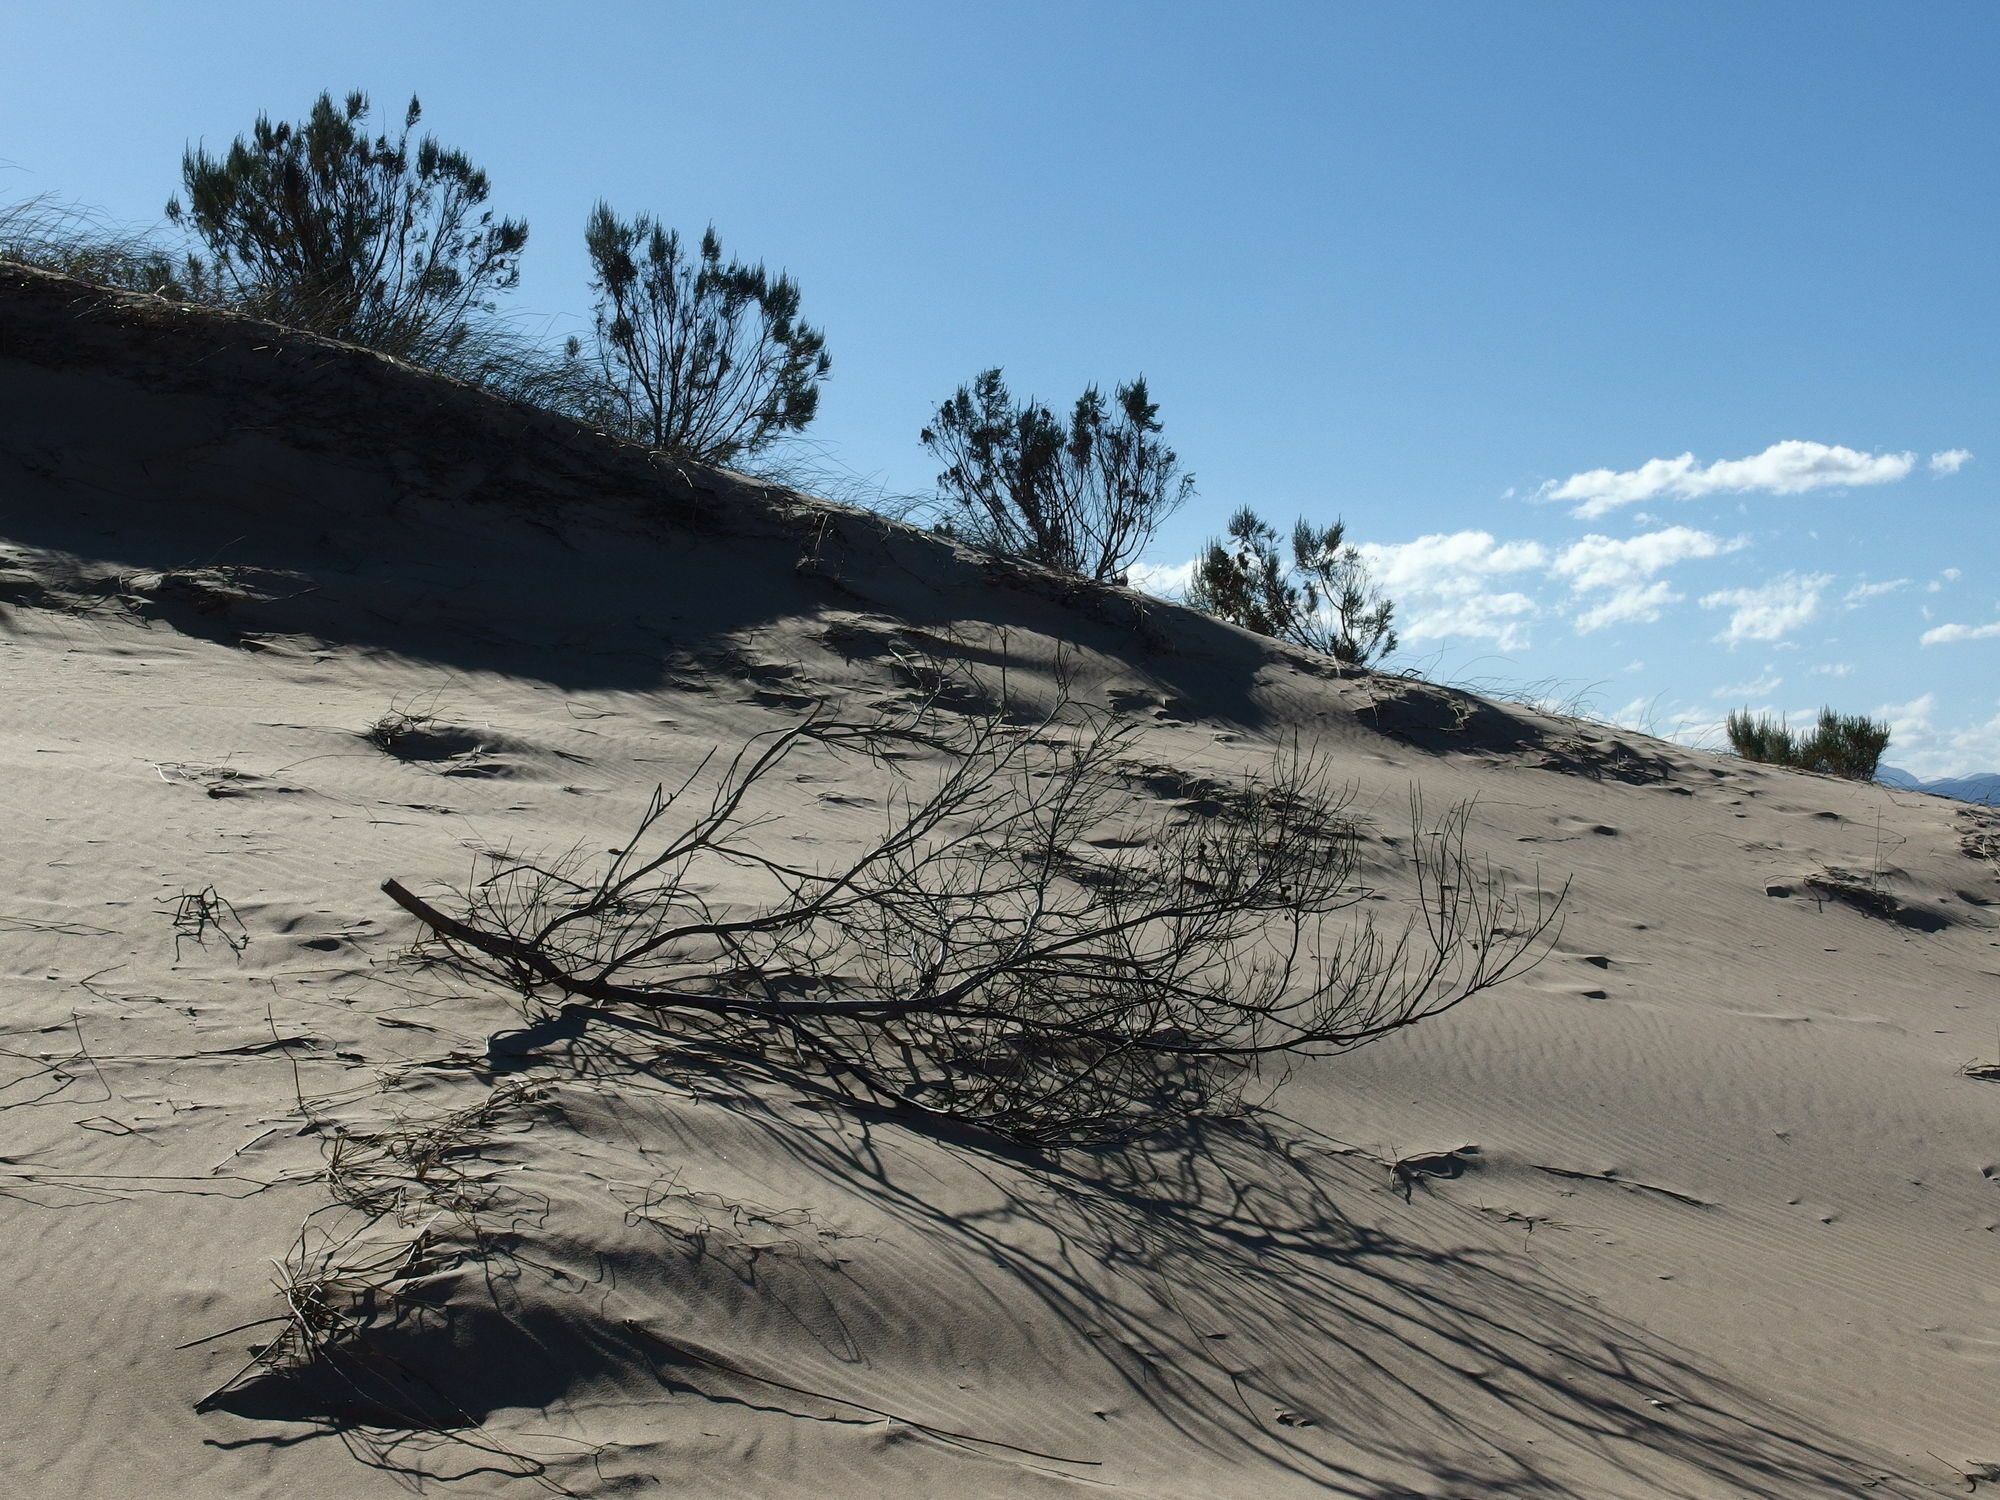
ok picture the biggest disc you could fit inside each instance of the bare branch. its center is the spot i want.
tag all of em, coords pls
(1016, 947)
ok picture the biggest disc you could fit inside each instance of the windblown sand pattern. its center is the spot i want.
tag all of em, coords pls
(1704, 1205)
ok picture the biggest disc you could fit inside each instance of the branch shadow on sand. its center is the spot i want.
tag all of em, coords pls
(1217, 1278)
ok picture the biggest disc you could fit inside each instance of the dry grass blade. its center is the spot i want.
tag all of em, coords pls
(419, 1166)
(196, 914)
(407, 1205)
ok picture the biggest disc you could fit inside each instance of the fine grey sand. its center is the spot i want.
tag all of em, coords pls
(1706, 1204)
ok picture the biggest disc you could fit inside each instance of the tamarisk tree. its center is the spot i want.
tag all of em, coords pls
(1849, 745)
(1321, 600)
(699, 357)
(379, 241)
(1083, 496)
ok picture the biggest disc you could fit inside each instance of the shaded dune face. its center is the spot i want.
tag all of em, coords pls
(1704, 1204)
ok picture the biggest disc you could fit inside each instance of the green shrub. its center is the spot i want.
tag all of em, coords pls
(1848, 745)
(1083, 496)
(699, 357)
(1759, 737)
(381, 242)
(1323, 601)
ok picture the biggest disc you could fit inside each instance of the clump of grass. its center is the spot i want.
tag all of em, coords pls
(1848, 745)
(71, 240)
(332, 1289)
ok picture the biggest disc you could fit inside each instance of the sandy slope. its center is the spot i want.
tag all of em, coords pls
(1703, 1206)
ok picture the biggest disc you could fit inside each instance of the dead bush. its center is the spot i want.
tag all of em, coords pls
(1018, 948)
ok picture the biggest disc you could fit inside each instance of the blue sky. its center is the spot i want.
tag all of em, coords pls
(1651, 349)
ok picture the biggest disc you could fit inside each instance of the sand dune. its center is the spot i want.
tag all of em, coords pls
(1704, 1205)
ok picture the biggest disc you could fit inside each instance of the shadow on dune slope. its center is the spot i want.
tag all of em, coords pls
(1228, 1283)
(240, 480)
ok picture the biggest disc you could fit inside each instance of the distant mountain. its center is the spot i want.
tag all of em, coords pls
(1985, 787)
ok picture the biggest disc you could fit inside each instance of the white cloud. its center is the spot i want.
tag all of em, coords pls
(1161, 580)
(1623, 566)
(1862, 592)
(1452, 563)
(1950, 635)
(1910, 720)
(1446, 585)
(1604, 562)
(1764, 683)
(1791, 467)
(1770, 611)
(1834, 669)
(1918, 746)
(1499, 618)
(1951, 460)
(1697, 727)
(1943, 581)
(1636, 714)
(1636, 604)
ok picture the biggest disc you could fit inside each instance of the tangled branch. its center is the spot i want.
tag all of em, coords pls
(1014, 949)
